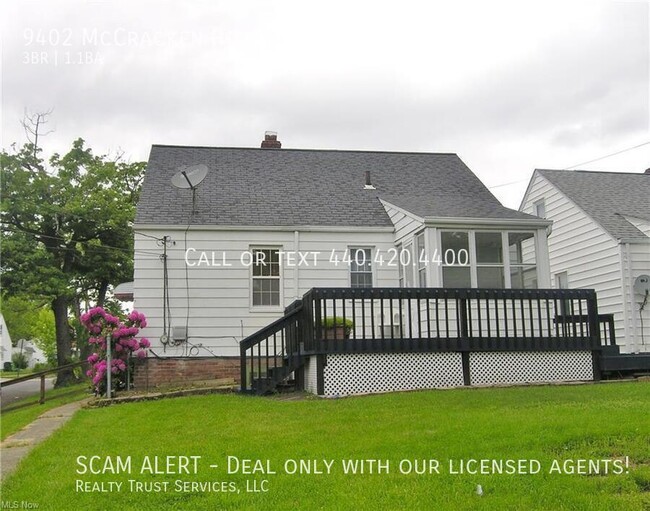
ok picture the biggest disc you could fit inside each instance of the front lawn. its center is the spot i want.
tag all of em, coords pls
(537, 424)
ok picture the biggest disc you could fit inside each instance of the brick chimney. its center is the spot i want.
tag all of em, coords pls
(271, 141)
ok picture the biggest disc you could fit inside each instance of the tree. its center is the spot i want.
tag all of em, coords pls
(67, 229)
(27, 319)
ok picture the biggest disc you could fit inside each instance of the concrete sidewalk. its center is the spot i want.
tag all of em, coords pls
(15, 447)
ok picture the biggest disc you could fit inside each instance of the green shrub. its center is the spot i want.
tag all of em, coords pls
(337, 321)
(19, 360)
(42, 366)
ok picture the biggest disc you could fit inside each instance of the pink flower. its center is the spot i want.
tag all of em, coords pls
(141, 354)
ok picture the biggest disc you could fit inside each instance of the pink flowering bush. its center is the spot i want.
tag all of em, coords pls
(100, 324)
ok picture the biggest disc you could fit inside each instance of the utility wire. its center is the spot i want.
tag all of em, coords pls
(578, 164)
(507, 184)
(607, 156)
(86, 242)
(148, 235)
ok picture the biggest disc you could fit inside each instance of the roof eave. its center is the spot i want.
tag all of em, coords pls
(487, 222)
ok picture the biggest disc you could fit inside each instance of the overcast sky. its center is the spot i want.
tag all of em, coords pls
(508, 86)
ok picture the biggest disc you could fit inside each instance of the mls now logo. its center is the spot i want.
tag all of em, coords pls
(18, 504)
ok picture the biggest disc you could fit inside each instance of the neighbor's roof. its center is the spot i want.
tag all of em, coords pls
(607, 197)
(290, 187)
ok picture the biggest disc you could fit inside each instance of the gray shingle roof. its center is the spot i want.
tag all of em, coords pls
(285, 187)
(607, 197)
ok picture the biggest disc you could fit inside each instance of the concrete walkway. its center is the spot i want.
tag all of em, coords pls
(15, 447)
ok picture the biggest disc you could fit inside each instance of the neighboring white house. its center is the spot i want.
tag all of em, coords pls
(33, 354)
(600, 240)
(305, 214)
(5, 342)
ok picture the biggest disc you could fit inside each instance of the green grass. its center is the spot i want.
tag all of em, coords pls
(607, 421)
(23, 411)
(15, 374)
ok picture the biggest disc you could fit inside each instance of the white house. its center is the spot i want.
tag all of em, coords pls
(33, 354)
(220, 259)
(600, 240)
(5, 342)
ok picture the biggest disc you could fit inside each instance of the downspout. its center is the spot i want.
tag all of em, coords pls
(623, 266)
(296, 268)
(628, 303)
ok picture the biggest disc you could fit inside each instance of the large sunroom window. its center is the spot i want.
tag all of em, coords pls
(523, 269)
(455, 259)
(488, 259)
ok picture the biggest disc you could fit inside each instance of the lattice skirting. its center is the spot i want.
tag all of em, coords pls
(489, 368)
(361, 373)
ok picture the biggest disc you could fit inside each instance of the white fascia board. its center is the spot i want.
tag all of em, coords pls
(634, 241)
(486, 222)
(274, 228)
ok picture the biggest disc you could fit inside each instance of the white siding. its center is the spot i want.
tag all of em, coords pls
(406, 225)
(5, 342)
(218, 298)
(582, 248)
(638, 320)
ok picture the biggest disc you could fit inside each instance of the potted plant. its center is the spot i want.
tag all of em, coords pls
(337, 328)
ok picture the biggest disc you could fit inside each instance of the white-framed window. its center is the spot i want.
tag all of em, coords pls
(522, 259)
(539, 208)
(454, 253)
(488, 259)
(421, 262)
(360, 267)
(266, 279)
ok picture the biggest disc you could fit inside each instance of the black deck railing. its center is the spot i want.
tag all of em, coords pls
(345, 320)
(439, 319)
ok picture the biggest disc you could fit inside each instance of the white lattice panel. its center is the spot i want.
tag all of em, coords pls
(491, 368)
(361, 373)
(311, 384)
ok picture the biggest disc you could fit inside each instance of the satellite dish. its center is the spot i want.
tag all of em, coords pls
(642, 284)
(190, 176)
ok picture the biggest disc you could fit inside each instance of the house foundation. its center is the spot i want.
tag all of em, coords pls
(153, 372)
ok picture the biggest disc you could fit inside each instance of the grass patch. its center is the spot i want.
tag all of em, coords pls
(15, 374)
(23, 411)
(608, 421)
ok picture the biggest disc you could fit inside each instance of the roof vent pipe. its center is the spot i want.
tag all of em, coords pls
(368, 185)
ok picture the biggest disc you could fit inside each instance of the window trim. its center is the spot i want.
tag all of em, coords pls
(420, 245)
(280, 277)
(401, 279)
(372, 268)
(536, 204)
(408, 246)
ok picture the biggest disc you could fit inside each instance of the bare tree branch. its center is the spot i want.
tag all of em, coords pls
(33, 123)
